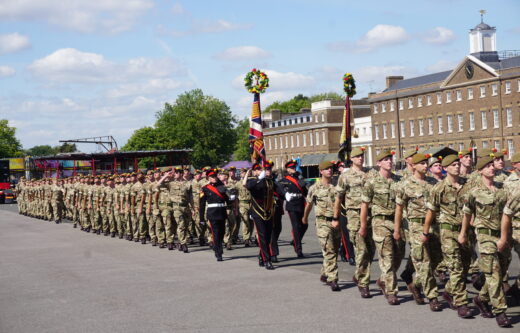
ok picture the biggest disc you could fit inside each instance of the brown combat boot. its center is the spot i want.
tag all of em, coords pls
(392, 300)
(435, 305)
(365, 292)
(381, 285)
(464, 311)
(503, 320)
(416, 293)
(483, 307)
(447, 297)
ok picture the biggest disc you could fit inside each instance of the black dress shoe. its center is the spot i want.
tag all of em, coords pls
(185, 248)
(113, 234)
(503, 320)
(228, 246)
(261, 262)
(247, 243)
(300, 255)
(143, 241)
(269, 265)
(352, 262)
(74, 225)
(170, 246)
(219, 257)
(274, 258)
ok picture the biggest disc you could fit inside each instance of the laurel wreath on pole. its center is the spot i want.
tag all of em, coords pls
(261, 81)
(349, 85)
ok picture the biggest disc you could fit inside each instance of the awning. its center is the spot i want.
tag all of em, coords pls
(315, 159)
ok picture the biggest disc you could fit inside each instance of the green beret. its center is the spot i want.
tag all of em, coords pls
(483, 161)
(515, 158)
(465, 152)
(409, 153)
(383, 154)
(448, 160)
(485, 152)
(325, 165)
(356, 151)
(432, 160)
(418, 158)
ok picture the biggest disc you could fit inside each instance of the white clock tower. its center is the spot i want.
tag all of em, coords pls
(482, 38)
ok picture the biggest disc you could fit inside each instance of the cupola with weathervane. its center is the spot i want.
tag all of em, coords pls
(482, 38)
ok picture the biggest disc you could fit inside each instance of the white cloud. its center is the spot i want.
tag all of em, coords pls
(205, 27)
(151, 87)
(439, 35)
(249, 53)
(178, 9)
(379, 36)
(14, 42)
(441, 66)
(281, 81)
(74, 66)
(111, 16)
(6, 71)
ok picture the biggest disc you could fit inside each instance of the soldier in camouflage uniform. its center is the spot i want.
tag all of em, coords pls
(231, 222)
(379, 194)
(166, 227)
(244, 198)
(435, 168)
(499, 164)
(97, 196)
(466, 162)
(445, 205)
(137, 209)
(196, 186)
(349, 191)
(130, 180)
(486, 202)
(57, 200)
(413, 195)
(181, 198)
(323, 195)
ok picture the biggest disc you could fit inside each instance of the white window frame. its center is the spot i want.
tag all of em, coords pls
(410, 103)
(482, 91)
(460, 122)
(510, 147)
(471, 121)
(412, 127)
(402, 127)
(421, 127)
(458, 95)
(448, 96)
(297, 140)
(485, 144)
(376, 131)
(450, 123)
(401, 104)
(384, 131)
(439, 98)
(429, 100)
(419, 101)
(375, 108)
(323, 117)
(323, 138)
(496, 144)
(508, 87)
(509, 117)
(383, 107)
(430, 126)
(496, 119)
(286, 142)
(392, 106)
(440, 124)
(518, 85)
(305, 139)
(392, 130)
(317, 138)
(470, 93)
(483, 117)
(292, 141)
(311, 139)
(494, 89)
(461, 146)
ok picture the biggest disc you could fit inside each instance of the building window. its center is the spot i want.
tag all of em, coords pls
(483, 115)
(383, 107)
(510, 147)
(448, 96)
(482, 91)
(402, 128)
(392, 106)
(316, 118)
(419, 101)
(430, 126)
(290, 121)
(323, 117)
(471, 121)
(412, 128)
(292, 141)
(450, 123)
(311, 139)
(297, 140)
(384, 132)
(429, 100)
(460, 121)
(494, 89)
(450, 145)
(439, 124)
(459, 95)
(497, 144)
(308, 119)
(470, 93)
(364, 131)
(509, 117)
(269, 141)
(285, 122)
(376, 131)
(275, 143)
(392, 130)
(410, 103)
(485, 144)
(518, 85)
(496, 123)
(317, 138)
(375, 108)
(323, 138)
(439, 98)
(286, 141)
(401, 104)
(461, 146)
(508, 87)
(421, 127)
(305, 139)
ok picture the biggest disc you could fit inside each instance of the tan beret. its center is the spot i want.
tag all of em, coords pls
(409, 153)
(448, 160)
(483, 161)
(325, 165)
(356, 151)
(515, 158)
(384, 154)
(418, 158)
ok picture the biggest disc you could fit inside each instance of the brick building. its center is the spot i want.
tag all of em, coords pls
(477, 104)
(313, 134)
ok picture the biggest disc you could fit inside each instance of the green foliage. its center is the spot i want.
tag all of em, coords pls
(147, 138)
(9, 144)
(242, 146)
(46, 150)
(298, 102)
(66, 148)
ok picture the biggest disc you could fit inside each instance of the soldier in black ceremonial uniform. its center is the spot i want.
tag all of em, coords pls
(277, 220)
(214, 194)
(262, 188)
(295, 192)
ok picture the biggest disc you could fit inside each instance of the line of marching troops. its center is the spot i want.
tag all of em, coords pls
(456, 221)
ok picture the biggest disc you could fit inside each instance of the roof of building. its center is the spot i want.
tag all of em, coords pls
(483, 26)
(419, 81)
(510, 62)
(180, 154)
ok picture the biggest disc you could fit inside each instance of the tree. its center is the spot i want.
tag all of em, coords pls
(66, 148)
(9, 144)
(242, 145)
(299, 101)
(41, 150)
(147, 138)
(200, 122)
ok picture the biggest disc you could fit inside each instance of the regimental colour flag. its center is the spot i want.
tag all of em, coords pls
(256, 135)
(345, 140)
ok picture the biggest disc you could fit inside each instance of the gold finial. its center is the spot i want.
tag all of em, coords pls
(482, 12)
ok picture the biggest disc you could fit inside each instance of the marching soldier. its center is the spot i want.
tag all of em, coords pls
(137, 209)
(182, 200)
(196, 186)
(244, 199)
(323, 195)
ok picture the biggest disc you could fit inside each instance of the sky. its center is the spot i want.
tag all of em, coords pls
(83, 68)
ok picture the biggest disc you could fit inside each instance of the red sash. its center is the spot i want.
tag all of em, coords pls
(214, 190)
(295, 182)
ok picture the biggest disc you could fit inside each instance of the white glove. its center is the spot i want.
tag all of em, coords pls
(262, 175)
(232, 197)
(288, 196)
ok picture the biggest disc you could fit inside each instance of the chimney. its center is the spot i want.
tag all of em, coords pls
(390, 80)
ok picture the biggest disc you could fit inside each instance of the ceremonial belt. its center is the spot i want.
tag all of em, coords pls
(417, 220)
(296, 195)
(384, 217)
(295, 182)
(216, 205)
(487, 231)
(451, 227)
(328, 219)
